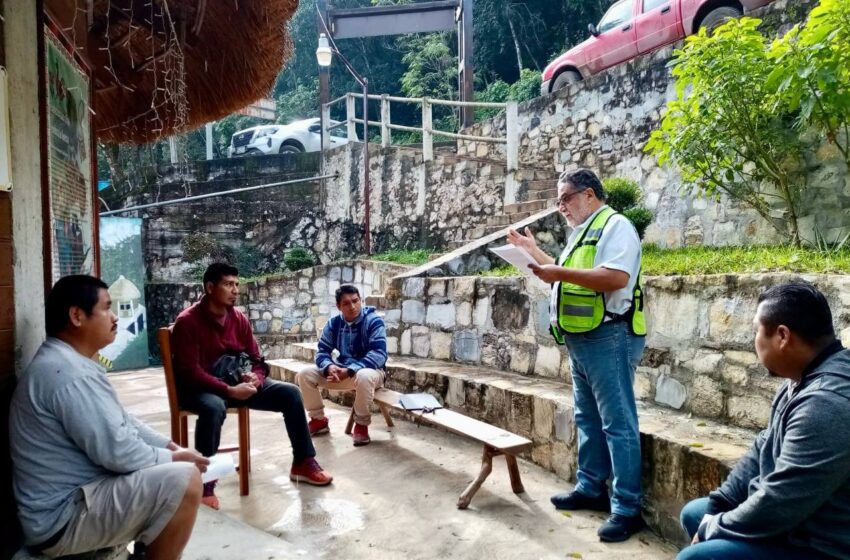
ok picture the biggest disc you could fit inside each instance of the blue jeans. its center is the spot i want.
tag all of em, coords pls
(273, 396)
(603, 363)
(727, 549)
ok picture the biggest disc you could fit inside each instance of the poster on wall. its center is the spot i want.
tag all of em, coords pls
(69, 164)
(123, 270)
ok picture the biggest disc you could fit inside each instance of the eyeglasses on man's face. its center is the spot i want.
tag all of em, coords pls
(565, 198)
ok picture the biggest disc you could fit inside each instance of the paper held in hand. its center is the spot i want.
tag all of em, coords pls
(220, 466)
(520, 258)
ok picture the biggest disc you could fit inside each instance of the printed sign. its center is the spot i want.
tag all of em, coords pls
(69, 164)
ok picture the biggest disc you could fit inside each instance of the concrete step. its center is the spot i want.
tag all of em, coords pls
(529, 206)
(549, 195)
(494, 229)
(499, 220)
(684, 457)
(213, 538)
(542, 185)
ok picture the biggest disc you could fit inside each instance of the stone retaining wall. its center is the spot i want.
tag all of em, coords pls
(699, 355)
(604, 123)
(287, 308)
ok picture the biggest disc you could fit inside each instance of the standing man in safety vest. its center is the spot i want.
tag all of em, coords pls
(596, 310)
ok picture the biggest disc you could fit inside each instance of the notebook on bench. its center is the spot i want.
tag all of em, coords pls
(419, 401)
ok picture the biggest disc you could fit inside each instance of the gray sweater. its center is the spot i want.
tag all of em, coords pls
(68, 430)
(794, 482)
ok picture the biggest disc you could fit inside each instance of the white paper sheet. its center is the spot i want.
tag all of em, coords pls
(220, 466)
(520, 258)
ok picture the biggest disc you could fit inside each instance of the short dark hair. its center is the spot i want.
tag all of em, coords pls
(583, 179)
(216, 271)
(346, 289)
(79, 290)
(799, 306)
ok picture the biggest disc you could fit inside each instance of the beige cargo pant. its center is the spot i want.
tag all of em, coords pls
(310, 380)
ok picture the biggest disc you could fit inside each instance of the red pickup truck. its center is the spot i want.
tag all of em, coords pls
(633, 27)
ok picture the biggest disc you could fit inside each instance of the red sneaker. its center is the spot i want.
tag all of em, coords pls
(209, 498)
(310, 472)
(361, 435)
(318, 426)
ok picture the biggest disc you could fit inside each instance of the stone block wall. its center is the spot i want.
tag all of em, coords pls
(300, 303)
(413, 203)
(269, 220)
(699, 355)
(604, 123)
(497, 322)
(285, 308)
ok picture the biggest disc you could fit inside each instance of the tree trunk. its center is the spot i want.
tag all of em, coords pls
(515, 38)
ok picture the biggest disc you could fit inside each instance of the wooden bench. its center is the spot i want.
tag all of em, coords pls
(496, 441)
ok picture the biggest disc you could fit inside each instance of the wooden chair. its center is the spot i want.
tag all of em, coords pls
(179, 416)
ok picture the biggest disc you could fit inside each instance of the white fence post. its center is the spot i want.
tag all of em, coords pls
(427, 131)
(512, 149)
(512, 129)
(350, 113)
(386, 138)
(326, 123)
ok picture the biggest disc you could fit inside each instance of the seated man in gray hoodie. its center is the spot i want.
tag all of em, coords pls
(87, 474)
(360, 337)
(789, 496)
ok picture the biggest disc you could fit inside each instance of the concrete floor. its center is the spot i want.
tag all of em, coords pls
(392, 499)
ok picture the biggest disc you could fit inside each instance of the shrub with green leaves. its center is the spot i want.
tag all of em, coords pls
(624, 196)
(297, 258)
(641, 218)
(621, 193)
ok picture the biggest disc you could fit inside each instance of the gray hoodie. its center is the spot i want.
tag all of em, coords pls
(794, 483)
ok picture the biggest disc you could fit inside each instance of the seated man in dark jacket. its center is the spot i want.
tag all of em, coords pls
(202, 334)
(359, 335)
(789, 496)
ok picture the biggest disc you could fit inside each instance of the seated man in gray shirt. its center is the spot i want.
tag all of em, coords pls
(88, 475)
(788, 498)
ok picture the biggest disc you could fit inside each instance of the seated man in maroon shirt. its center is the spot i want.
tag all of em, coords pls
(202, 334)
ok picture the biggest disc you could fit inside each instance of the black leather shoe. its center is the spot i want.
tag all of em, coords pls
(618, 528)
(574, 500)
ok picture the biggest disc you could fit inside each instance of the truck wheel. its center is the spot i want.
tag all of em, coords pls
(289, 149)
(564, 78)
(718, 16)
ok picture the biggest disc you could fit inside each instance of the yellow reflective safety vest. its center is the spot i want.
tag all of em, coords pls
(581, 309)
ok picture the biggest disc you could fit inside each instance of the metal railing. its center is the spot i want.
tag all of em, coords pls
(510, 140)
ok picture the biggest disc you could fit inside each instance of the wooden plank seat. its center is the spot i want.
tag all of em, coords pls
(496, 441)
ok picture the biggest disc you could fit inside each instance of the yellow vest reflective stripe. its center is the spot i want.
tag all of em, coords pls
(581, 309)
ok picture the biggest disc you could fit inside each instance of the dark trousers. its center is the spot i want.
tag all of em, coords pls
(273, 396)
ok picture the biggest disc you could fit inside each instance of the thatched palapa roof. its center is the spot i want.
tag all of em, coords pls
(166, 66)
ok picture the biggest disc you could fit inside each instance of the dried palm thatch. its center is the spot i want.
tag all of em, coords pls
(168, 66)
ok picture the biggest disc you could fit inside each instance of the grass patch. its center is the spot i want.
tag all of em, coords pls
(506, 270)
(693, 260)
(721, 260)
(404, 256)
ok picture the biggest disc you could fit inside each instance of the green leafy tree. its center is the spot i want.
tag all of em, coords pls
(726, 130)
(811, 73)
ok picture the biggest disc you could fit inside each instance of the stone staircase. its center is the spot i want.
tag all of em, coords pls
(683, 457)
(537, 191)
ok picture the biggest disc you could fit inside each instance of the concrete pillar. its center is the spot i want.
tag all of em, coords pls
(22, 31)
